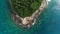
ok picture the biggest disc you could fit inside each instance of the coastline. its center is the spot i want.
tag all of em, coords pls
(28, 22)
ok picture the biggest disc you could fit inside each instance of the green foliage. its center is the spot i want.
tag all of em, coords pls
(25, 8)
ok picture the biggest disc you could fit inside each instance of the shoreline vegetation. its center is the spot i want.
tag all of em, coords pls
(29, 21)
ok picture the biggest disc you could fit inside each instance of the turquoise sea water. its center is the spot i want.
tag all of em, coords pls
(48, 22)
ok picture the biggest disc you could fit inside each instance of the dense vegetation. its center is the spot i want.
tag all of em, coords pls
(25, 8)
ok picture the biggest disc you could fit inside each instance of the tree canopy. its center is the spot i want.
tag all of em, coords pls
(25, 8)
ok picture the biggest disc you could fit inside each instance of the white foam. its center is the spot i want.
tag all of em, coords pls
(48, 0)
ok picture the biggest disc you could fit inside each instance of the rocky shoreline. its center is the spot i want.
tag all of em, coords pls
(29, 21)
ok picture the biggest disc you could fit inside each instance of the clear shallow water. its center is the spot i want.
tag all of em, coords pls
(48, 23)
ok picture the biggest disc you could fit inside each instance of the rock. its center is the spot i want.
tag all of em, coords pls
(25, 21)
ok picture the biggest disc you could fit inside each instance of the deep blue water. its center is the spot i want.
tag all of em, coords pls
(48, 23)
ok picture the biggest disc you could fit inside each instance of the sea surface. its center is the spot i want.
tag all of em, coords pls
(48, 22)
